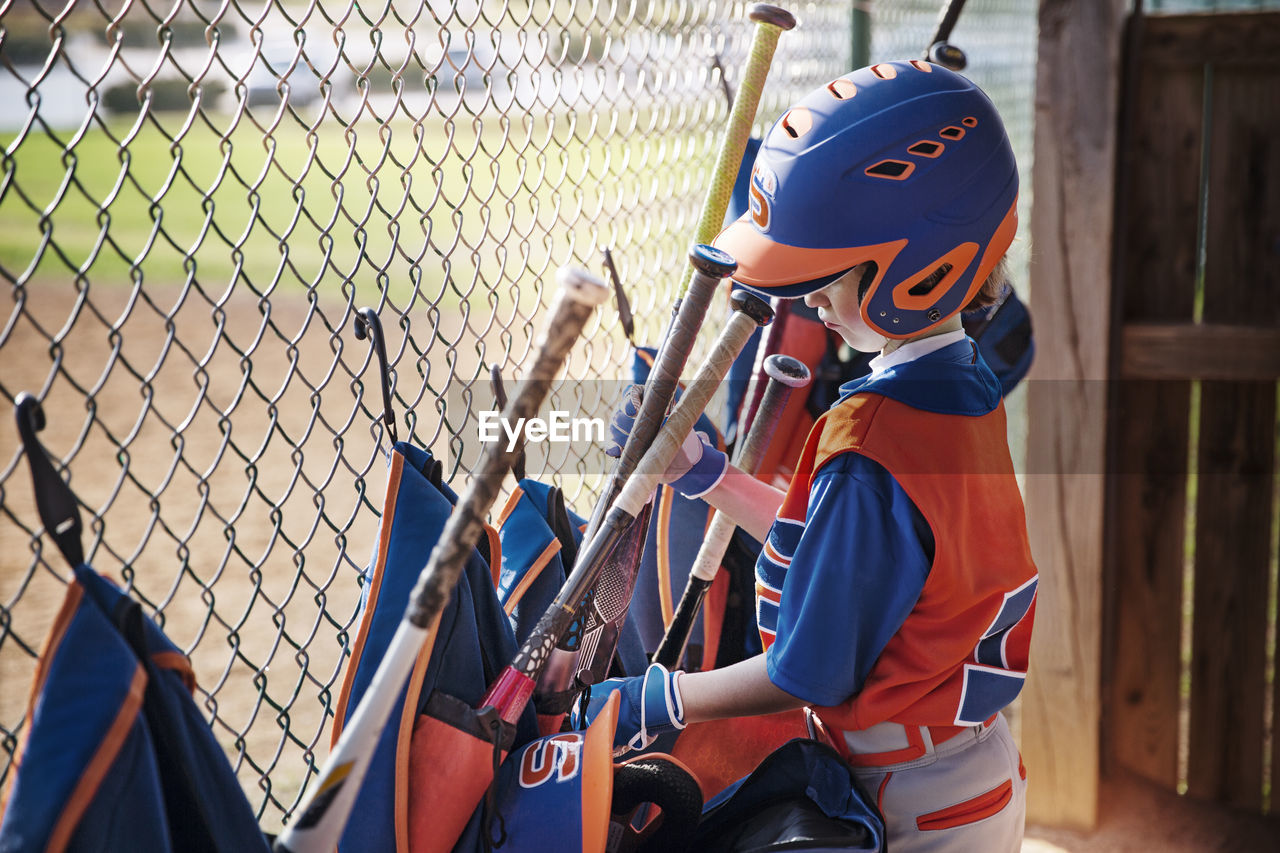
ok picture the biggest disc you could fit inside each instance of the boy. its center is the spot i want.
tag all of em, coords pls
(895, 588)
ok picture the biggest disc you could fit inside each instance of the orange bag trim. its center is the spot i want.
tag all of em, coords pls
(91, 780)
(179, 663)
(450, 769)
(535, 569)
(404, 735)
(510, 506)
(495, 540)
(70, 602)
(375, 583)
(597, 777)
(495, 553)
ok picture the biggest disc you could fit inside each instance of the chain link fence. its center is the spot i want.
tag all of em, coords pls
(196, 198)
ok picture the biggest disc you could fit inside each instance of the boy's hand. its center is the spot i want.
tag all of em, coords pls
(697, 468)
(650, 706)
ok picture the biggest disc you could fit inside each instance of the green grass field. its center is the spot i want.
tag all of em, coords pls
(441, 210)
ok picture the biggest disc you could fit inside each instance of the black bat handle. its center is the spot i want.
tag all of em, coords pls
(710, 267)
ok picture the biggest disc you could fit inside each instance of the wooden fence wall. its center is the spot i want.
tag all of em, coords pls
(1192, 433)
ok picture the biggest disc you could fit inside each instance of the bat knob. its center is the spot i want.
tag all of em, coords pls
(787, 370)
(947, 55)
(753, 306)
(581, 286)
(711, 261)
(764, 13)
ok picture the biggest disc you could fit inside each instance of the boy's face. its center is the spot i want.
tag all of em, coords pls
(837, 305)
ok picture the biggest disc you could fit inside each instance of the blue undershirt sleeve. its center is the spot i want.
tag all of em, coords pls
(858, 570)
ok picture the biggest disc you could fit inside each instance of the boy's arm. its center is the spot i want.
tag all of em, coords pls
(751, 504)
(740, 690)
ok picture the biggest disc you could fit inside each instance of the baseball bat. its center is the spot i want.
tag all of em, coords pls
(710, 265)
(785, 375)
(514, 686)
(690, 309)
(324, 813)
(695, 296)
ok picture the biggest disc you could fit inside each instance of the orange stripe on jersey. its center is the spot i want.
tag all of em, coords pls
(769, 594)
(771, 553)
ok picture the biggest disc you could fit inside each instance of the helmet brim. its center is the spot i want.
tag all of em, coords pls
(778, 269)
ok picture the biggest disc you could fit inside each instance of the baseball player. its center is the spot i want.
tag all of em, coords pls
(895, 589)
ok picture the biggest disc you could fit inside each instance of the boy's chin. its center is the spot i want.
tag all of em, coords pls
(862, 343)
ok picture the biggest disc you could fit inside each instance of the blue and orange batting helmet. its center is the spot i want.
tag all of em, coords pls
(903, 164)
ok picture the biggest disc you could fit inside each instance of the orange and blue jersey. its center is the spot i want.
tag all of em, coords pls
(897, 582)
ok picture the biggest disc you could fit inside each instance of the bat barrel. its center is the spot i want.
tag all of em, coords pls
(770, 22)
(750, 313)
(579, 295)
(710, 267)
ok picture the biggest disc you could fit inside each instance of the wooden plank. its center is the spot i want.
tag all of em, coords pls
(1071, 222)
(1199, 351)
(1146, 554)
(1272, 807)
(1237, 448)
(1233, 543)
(1146, 516)
(1222, 38)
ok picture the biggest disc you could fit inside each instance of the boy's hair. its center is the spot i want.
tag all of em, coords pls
(992, 285)
(985, 296)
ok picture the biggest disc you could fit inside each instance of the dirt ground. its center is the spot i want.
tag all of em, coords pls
(1137, 817)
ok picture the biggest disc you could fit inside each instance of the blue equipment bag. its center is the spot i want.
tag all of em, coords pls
(802, 797)
(472, 643)
(540, 537)
(117, 755)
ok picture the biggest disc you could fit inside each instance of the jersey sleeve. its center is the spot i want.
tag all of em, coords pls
(858, 569)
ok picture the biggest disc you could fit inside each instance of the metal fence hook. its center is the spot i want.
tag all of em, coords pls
(367, 324)
(59, 510)
(500, 398)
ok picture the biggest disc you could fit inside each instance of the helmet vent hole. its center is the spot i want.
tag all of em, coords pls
(921, 66)
(927, 148)
(842, 89)
(969, 121)
(895, 170)
(952, 133)
(929, 282)
(797, 122)
(884, 71)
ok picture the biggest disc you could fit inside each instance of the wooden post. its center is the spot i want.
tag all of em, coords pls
(1077, 78)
